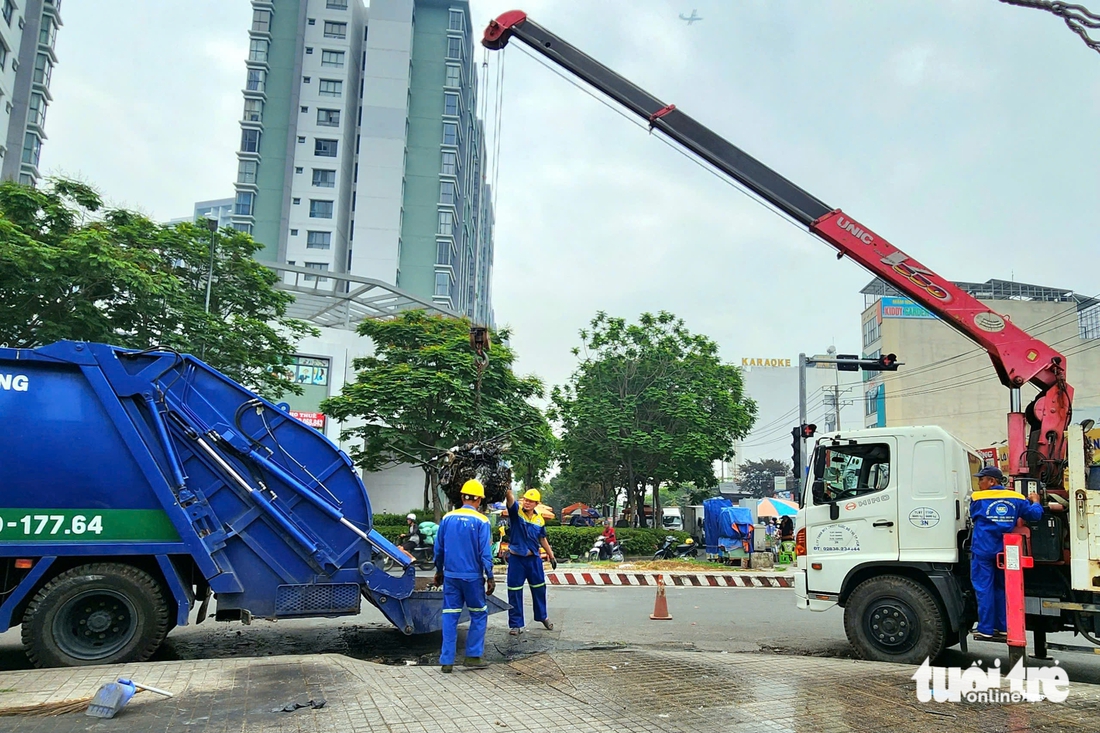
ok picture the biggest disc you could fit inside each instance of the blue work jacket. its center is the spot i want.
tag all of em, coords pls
(462, 545)
(524, 532)
(994, 513)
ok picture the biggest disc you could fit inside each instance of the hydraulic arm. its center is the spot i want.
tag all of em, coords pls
(1036, 437)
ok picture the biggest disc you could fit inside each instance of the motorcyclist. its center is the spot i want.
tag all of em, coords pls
(609, 533)
(411, 539)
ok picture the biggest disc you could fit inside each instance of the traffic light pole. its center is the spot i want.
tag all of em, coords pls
(801, 477)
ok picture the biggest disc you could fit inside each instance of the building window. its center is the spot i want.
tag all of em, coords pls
(447, 193)
(450, 163)
(336, 30)
(320, 209)
(253, 110)
(454, 48)
(872, 329)
(332, 59)
(257, 50)
(442, 285)
(312, 21)
(243, 205)
(255, 81)
(241, 226)
(3, 54)
(324, 178)
(446, 223)
(450, 133)
(43, 70)
(295, 202)
(309, 50)
(443, 253)
(36, 108)
(299, 169)
(454, 76)
(322, 266)
(9, 11)
(318, 240)
(455, 21)
(246, 171)
(250, 141)
(450, 104)
(47, 34)
(301, 138)
(305, 80)
(261, 21)
(337, 4)
(32, 148)
(328, 117)
(331, 88)
(324, 148)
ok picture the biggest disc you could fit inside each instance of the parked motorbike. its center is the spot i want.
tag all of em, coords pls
(423, 558)
(604, 550)
(671, 549)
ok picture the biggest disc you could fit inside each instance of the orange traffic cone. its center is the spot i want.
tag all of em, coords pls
(660, 606)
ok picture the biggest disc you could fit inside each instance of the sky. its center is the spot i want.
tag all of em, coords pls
(963, 131)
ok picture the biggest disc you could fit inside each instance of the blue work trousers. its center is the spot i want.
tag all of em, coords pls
(520, 569)
(456, 594)
(989, 587)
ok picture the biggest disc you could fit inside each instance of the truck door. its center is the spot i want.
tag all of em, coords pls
(851, 509)
(930, 506)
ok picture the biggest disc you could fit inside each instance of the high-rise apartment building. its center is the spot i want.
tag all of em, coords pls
(28, 32)
(220, 209)
(360, 151)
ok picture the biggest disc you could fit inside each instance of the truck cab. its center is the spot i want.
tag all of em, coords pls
(883, 522)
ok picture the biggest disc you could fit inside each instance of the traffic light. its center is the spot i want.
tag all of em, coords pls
(804, 431)
(843, 365)
(796, 455)
(885, 363)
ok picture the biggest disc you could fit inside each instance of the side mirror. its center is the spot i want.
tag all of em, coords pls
(834, 510)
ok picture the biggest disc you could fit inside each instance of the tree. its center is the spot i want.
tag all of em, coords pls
(758, 477)
(650, 403)
(70, 269)
(417, 396)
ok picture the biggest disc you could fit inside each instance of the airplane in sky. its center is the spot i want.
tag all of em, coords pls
(692, 18)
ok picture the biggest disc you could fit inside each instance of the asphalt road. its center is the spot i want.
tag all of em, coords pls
(706, 619)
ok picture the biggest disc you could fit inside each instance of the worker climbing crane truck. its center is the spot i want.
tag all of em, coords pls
(891, 547)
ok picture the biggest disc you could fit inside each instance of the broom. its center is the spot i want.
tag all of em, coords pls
(45, 709)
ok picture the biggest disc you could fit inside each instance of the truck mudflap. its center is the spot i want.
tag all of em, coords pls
(422, 611)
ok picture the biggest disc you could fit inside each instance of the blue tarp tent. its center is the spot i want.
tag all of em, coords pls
(736, 529)
(712, 519)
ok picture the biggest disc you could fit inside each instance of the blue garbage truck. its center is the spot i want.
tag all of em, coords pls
(137, 485)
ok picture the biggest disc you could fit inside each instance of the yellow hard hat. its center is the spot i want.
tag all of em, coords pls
(473, 487)
(532, 494)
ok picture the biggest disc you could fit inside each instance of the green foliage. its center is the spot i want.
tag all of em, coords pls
(567, 541)
(70, 269)
(416, 397)
(649, 403)
(757, 477)
(387, 519)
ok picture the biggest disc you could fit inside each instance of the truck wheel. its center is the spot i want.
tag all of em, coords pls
(894, 619)
(104, 613)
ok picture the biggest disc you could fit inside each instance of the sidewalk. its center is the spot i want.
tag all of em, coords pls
(581, 574)
(568, 692)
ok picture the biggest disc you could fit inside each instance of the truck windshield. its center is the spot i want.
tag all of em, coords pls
(845, 471)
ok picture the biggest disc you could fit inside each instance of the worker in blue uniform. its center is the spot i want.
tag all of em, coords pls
(526, 534)
(993, 513)
(464, 568)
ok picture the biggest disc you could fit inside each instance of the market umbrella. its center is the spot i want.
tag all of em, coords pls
(545, 511)
(776, 508)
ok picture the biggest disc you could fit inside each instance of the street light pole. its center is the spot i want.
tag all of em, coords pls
(212, 225)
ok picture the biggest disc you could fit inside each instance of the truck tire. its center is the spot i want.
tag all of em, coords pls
(894, 619)
(103, 613)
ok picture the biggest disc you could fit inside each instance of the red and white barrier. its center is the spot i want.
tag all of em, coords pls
(704, 580)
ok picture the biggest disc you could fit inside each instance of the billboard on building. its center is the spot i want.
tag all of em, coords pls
(890, 307)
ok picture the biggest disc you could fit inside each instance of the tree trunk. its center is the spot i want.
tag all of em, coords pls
(427, 486)
(437, 511)
(658, 520)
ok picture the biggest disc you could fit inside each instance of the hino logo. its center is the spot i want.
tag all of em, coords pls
(852, 228)
(13, 382)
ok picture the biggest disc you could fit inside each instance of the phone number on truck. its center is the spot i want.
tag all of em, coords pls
(30, 525)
